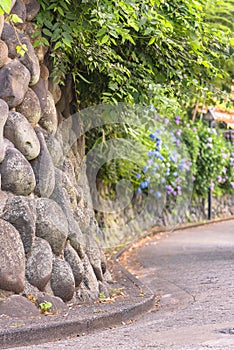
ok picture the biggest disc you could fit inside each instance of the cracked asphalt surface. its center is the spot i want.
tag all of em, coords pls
(192, 272)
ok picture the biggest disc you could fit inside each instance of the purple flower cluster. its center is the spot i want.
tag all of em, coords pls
(221, 179)
(173, 190)
(177, 120)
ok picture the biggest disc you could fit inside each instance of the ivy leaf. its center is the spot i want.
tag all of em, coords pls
(5, 6)
(21, 49)
(16, 19)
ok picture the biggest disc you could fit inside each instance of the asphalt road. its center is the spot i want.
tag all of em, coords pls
(193, 273)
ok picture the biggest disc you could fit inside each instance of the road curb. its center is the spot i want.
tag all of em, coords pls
(57, 331)
(75, 327)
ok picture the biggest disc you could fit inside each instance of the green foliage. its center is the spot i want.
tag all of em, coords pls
(219, 15)
(45, 307)
(101, 296)
(167, 54)
(132, 51)
(210, 161)
(5, 7)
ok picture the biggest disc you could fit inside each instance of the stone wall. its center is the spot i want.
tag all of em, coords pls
(126, 222)
(46, 220)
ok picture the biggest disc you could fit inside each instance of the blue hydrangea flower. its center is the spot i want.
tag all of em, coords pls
(172, 159)
(144, 184)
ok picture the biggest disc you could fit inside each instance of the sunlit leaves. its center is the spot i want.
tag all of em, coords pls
(5, 6)
(126, 49)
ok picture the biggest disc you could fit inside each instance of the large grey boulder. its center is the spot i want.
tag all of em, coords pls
(49, 120)
(89, 288)
(16, 173)
(12, 260)
(3, 53)
(30, 107)
(54, 148)
(51, 224)
(62, 197)
(82, 216)
(62, 280)
(14, 81)
(40, 89)
(29, 59)
(43, 168)
(21, 133)
(21, 213)
(3, 117)
(32, 9)
(10, 38)
(19, 307)
(39, 264)
(75, 262)
(94, 254)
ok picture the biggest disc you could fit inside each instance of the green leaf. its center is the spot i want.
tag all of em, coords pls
(35, 35)
(36, 43)
(231, 41)
(57, 45)
(5, 6)
(45, 41)
(101, 32)
(48, 24)
(67, 42)
(21, 49)
(47, 32)
(152, 40)
(60, 10)
(83, 78)
(16, 19)
(104, 39)
(134, 25)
